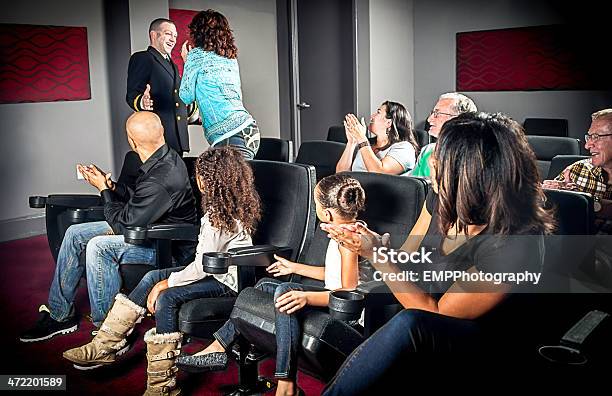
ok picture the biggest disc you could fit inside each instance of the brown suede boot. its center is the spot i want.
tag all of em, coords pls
(162, 349)
(110, 341)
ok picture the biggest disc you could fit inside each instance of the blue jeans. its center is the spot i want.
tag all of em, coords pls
(384, 359)
(288, 330)
(170, 300)
(104, 253)
(246, 141)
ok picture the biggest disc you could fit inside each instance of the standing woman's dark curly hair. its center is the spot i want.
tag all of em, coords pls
(210, 31)
(486, 174)
(228, 189)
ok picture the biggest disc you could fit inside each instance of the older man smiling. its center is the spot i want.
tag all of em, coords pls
(593, 175)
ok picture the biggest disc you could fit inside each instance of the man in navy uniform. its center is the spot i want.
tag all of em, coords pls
(153, 83)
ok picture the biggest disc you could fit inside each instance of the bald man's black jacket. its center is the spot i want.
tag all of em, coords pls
(150, 67)
(162, 195)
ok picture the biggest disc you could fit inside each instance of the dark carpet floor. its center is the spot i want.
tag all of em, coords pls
(27, 269)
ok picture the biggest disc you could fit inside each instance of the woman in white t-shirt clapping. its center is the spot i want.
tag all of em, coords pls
(392, 151)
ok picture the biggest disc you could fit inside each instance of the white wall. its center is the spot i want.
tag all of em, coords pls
(391, 43)
(435, 24)
(254, 26)
(362, 20)
(142, 13)
(42, 142)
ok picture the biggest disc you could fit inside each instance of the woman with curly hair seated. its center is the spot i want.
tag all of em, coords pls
(212, 79)
(232, 209)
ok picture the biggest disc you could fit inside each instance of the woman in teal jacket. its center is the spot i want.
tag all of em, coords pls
(212, 78)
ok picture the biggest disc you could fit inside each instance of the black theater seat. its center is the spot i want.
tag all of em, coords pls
(61, 209)
(546, 126)
(547, 147)
(393, 204)
(525, 321)
(274, 149)
(288, 221)
(321, 154)
(336, 133)
(64, 210)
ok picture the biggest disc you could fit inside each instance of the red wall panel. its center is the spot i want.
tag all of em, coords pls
(43, 63)
(522, 59)
(181, 19)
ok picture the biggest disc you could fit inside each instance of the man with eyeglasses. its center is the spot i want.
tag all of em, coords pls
(593, 175)
(449, 106)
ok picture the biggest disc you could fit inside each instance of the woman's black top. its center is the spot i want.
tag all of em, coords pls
(485, 252)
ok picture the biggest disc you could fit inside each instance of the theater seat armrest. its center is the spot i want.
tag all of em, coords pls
(245, 258)
(258, 256)
(373, 287)
(377, 293)
(84, 215)
(174, 232)
(68, 200)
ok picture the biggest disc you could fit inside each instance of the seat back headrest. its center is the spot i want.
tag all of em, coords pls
(546, 147)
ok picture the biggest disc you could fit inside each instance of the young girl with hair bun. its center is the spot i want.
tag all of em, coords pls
(338, 198)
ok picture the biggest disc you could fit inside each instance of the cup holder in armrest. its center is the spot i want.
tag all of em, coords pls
(37, 202)
(580, 336)
(216, 262)
(135, 235)
(562, 354)
(345, 305)
(250, 256)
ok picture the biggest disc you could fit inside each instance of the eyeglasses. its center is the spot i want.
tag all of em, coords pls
(437, 113)
(593, 137)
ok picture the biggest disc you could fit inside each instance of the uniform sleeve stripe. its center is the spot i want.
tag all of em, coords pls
(136, 100)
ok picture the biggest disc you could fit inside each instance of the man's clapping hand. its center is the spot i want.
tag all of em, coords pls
(94, 176)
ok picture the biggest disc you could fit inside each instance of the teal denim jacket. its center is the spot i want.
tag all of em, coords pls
(214, 82)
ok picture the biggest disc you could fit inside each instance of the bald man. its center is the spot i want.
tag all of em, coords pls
(162, 194)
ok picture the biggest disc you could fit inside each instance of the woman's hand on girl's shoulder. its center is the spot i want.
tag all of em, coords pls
(281, 267)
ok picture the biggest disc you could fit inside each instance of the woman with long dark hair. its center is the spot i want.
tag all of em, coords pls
(212, 78)
(392, 150)
(482, 218)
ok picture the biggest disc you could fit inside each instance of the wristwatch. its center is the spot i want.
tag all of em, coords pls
(363, 144)
(596, 204)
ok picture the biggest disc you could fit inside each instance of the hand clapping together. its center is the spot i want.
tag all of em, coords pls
(95, 176)
(355, 129)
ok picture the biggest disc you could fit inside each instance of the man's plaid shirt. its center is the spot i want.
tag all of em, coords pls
(590, 179)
